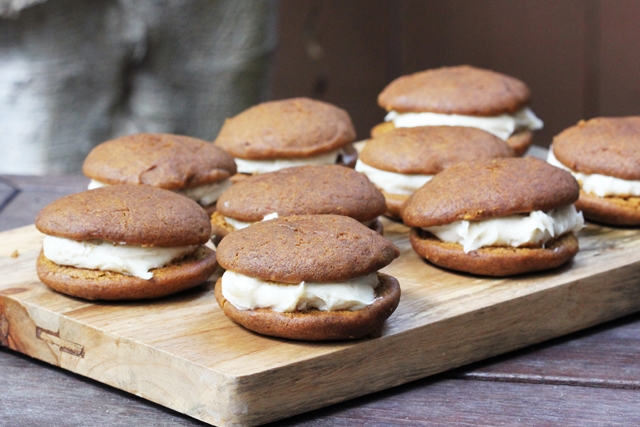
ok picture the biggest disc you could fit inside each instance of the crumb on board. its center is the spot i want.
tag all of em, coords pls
(15, 254)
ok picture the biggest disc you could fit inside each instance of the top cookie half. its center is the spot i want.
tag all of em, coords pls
(461, 89)
(490, 189)
(604, 145)
(159, 160)
(290, 128)
(128, 214)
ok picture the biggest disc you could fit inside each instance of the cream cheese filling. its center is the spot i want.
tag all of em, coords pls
(264, 166)
(599, 185)
(238, 225)
(502, 126)
(131, 260)
(392, 182)
(248, 293)
(513, 230)
(204, 194)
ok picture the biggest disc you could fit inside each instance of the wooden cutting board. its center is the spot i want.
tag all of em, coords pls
(183, 353)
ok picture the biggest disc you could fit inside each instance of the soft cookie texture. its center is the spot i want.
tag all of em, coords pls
(314, 248)
(311, 248)
(456, 90)
(428, 150)
(608, 146)
(431, 149)
(159, 160)
(136, 215)
(290, 128)
(132, 215)
(329, 189)
(490, 189)
(487, 190)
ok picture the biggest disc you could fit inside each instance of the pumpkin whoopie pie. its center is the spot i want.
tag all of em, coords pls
(497, 217)
(189, 166)
(461, 96)
(308, 277)
(286, 133)
(124, 242)
(603, 154)
(402, 160)
(329, 189)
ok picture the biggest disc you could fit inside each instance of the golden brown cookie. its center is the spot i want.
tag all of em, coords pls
(328, 189)
(315, 325)
(186, 273)
(519, 142)
(461, 89)
(290, 128)
(490, 189)
(310, 248)
(128, 215)
(159, 160)
(315, 248)
(604, 145)
(429, 150)
(495, 260)
(136, 215)
(610, 210)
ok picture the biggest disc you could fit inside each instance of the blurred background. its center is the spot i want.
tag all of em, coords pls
(74, 73)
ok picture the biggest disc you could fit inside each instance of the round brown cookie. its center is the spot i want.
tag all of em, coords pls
(604, 145)
(328, 189)
(461, 89)
(519, 142)
(187, 273)
(428, 150)
(490, 189)
(315, 325)
(610, 210)
(314, 248)
(133, 214)
(494, 261)
(290, 128)
(159, 160)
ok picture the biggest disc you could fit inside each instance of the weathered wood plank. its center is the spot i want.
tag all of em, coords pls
(65, 184)
(603, 356)
(24, 207)
(477, 403)
(7, 191)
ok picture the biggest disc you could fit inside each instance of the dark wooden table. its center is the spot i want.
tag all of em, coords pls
(590, 378)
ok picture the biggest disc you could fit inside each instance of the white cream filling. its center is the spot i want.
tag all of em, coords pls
(204, 194)
(238, 225)
(241, 224)
(248, 293)
(106, 256)
(600, 185)
(392, 182)
(502, 126)
(264, 166)
(513, 230)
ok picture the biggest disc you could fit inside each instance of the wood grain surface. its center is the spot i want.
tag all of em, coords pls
(211, 369)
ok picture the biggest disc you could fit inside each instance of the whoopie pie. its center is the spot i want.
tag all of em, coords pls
(124, 242)
(461, 96)
(189, 166)
(603, 154)
(497, 217)
(308, 277)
